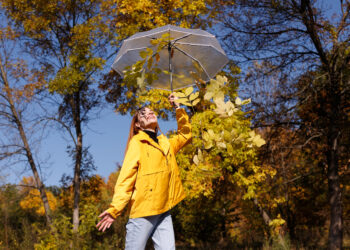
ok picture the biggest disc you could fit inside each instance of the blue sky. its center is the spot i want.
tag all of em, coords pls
(106, 137)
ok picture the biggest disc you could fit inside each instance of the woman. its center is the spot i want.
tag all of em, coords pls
(149, 181)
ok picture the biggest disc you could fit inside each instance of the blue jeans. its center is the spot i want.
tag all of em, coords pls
(159, 227)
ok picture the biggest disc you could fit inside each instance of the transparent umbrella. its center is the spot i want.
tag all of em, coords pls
(188, 50)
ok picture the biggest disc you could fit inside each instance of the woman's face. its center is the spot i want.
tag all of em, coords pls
(147, 119)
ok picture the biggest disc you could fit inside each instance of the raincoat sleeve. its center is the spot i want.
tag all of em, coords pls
(184, 133)
(126, 180)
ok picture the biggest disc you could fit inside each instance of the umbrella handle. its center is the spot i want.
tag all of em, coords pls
(170, 67)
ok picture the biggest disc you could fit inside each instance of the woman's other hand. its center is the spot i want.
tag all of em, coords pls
(172, 101)
(105, 222)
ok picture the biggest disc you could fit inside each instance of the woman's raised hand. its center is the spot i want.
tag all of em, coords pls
(172, 101)
(105, 222)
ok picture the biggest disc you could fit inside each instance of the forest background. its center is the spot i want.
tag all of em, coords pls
(268, 166)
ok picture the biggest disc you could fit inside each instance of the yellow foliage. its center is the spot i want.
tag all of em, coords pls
(72, 40)
(276, 224)
(136, 15)
(222, 141)
(92, 191)
(32, 201)
(187, 97)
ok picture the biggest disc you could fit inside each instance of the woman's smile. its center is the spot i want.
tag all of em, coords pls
(147, 119)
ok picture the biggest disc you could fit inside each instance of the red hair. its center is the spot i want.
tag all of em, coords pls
(135, 129)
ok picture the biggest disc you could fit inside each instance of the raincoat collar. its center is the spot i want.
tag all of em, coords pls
(163, 143)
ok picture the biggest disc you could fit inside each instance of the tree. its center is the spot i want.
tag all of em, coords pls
(68, 40)
(300, 180)
(298, 38)
(17, 90)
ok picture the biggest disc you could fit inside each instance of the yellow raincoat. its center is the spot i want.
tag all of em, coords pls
(149, 178)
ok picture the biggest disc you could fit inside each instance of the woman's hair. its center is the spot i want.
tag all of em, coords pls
(135, 129)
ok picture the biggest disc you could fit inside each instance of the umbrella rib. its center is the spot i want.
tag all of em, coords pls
(204, 45)
(138, 48)
(120, 56)
(177, 39)
(192, 59)
(163, 31)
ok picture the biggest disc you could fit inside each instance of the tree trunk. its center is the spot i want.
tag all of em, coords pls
(26, 146)
(335, 196)
(75, 102)
(6, 225)
(335, 237)
(263, 213)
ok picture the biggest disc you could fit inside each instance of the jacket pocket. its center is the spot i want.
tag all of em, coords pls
(153, 166)
(157, 187)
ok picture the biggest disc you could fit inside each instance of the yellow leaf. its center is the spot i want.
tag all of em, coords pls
(221, 80)
(221, 144)
(258, 141)
(179, 94)
(143, 54)
(208, 95)
(195, 102)
(154, 42)
(208, 144)
(205, 136)
(184, 102)
(194, 96)
(246, 101)
(195, 160)
(211, 133)
(188, 91)
(200, 155)
(238, 101)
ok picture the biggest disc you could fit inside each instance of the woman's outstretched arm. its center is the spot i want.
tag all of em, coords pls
(184, 133)
(124, 186)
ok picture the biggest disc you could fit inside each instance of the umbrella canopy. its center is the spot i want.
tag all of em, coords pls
(188, 50)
